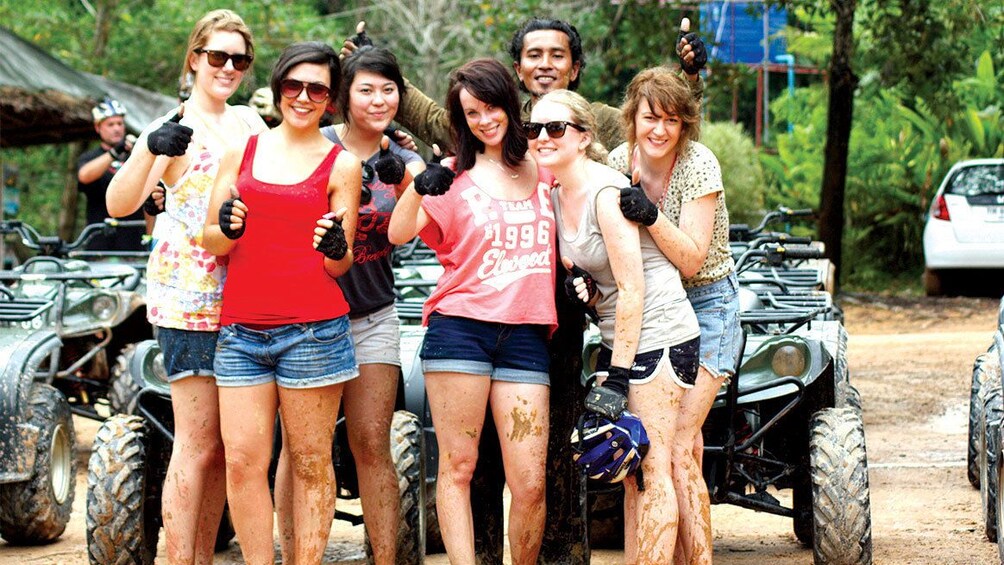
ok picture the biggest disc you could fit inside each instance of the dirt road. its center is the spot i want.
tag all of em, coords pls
(910, 358)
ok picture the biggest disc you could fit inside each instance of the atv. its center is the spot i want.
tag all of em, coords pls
(789, 420)
(131, 451)
(56, 320)
(96, 309)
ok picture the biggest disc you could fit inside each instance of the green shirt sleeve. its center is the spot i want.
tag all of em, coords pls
(423, 117)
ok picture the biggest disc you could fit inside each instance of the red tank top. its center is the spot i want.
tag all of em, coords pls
(276, 276)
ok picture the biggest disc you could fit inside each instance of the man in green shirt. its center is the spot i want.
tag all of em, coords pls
(547, 55)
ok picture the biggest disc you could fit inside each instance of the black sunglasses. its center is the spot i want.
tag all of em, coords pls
(555, 130)
(369, 175)
(317, 92)
(219, 59)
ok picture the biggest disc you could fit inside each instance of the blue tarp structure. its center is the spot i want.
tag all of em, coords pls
(736, 31)
(42, 100)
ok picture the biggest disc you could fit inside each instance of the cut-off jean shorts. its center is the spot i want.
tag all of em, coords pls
(187, 353)
(377, 337)
(717, 307)
(307, 355)
(515, 353)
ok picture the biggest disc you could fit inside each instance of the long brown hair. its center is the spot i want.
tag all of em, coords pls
(488, 81)
(665, 91)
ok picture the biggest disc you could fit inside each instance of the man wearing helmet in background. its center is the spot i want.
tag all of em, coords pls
(95, 170)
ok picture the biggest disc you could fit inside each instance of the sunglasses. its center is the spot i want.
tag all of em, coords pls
(219, 59)
(317, 92)
(369, 175)
(555, 130)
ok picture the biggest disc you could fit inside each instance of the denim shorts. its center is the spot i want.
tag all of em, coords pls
(515, 353)
(682, 358)
(186, 353)
(307, 355)
(717, 307)
(377, 337)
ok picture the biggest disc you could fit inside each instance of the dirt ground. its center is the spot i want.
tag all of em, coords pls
(910, 358)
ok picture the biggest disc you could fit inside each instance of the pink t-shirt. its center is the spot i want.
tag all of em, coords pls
(498, 255)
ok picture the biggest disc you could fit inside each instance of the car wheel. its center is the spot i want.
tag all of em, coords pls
(841, 507)
(934, 282)
(123, 522)
(37, 510)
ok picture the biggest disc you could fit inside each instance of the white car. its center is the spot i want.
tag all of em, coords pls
(965, 226)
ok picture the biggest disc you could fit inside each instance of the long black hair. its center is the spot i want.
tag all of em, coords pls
(377, 60)
(490, 82)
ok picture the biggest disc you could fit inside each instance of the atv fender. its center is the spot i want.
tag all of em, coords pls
(142, 364)
(20, 358)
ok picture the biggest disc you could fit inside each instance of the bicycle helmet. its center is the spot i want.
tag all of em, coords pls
(107, 108)
(261, 102)
(610, 451)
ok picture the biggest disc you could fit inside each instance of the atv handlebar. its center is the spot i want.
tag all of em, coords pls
(742, 232)
(775, 255)
(53, 246)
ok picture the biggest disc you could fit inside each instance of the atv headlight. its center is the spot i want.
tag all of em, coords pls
(159, 370)
(104, 307)
(788, 361)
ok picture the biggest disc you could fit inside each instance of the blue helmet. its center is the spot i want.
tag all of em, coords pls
(609, 451)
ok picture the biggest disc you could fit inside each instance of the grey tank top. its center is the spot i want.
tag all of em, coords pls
(667, 317)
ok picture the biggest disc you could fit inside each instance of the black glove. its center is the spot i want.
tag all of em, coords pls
(570, 291)
(636, 206)
(333, 244)
(150, 205)
(170, 139)
(610, 398)
(361, 39)
(700, 53)
(120, 153)
(389, 167)
(435, 179)
(226, 210)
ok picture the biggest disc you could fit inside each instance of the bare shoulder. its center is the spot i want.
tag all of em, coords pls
(603, 175)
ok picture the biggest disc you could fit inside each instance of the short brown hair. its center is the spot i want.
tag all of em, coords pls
(216, 20)
(664, 90)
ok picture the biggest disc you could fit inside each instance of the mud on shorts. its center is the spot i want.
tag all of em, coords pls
(187, 353)
(683, 361)
(716, 305)
(377, 337)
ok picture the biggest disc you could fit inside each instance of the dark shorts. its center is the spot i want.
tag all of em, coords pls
(684, 359)
(187, 353)
(505, 352)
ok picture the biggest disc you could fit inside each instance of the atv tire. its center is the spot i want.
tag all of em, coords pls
(407, 453)
(122, 521)
(124, 387)
(37, 510)
(433, 535)
(975, 414)
(993, 410)
(1000, 509)
(606, 518)
(841, 507)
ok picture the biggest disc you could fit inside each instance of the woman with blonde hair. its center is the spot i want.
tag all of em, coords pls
(184, 281)
(680, 199)
(650, 336)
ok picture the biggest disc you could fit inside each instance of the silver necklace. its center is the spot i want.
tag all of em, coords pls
(503, 169)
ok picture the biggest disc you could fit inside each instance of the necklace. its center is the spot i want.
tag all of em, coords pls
(503, 169)
(669, 177)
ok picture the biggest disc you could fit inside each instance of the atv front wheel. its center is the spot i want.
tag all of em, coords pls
(990, 424)
(37, 510)
(975, 415)
(122, 519)
(408, 457)
(124, 387)
(841, 507)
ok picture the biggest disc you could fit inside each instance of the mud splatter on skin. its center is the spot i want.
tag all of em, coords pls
(522, 424)
(472, 433)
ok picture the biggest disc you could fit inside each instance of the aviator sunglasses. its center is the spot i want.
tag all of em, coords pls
(219, 59)
(555, 130)
(317, 92)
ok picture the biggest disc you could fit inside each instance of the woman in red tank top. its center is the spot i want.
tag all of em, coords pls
(284, 343)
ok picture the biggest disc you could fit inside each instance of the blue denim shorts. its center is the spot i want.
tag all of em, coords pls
(186, 353)
(308, 355)
(515, 353)
(717, 307)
